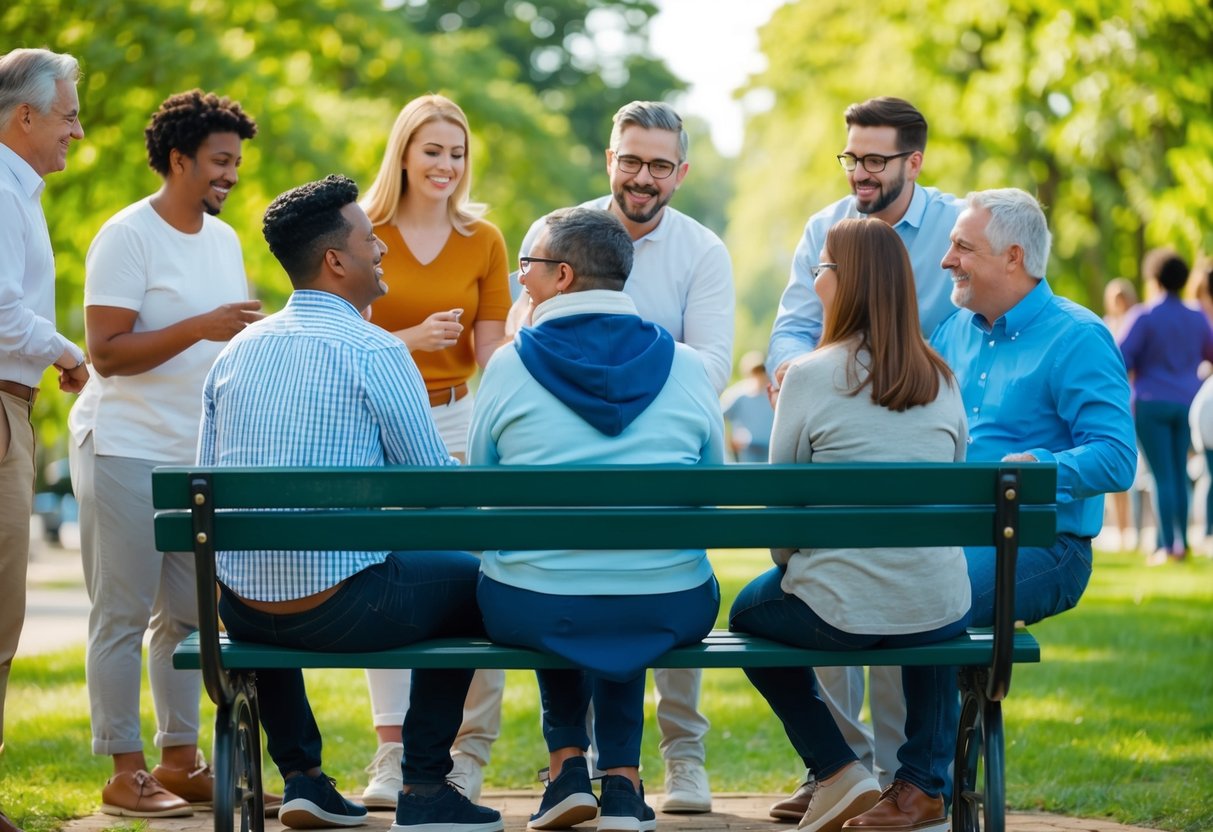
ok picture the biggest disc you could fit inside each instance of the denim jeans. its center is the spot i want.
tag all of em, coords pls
(613, 638)
(1164, 435)
(1047, 581)
(409, 597)
(932, 700)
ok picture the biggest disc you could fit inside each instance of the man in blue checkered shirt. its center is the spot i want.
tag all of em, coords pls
(316, 385)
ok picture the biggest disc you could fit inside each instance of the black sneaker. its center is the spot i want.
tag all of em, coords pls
(623, 808)
(315, 803)
(446, 811)
(568, 800)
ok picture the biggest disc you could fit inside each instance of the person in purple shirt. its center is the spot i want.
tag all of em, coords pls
(1163, 344)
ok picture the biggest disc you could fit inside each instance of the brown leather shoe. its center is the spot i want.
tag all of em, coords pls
(795, 805)
(6, 825)
(903, 807)
(139, 795)
(196, 786)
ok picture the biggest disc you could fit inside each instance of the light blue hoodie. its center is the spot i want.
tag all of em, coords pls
(591, 383)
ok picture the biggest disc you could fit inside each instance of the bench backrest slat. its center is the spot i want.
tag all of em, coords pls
(888, 484)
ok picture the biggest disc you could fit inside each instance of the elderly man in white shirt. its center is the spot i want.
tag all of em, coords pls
(39, 118)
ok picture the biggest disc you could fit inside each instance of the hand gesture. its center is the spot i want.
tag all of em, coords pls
(73, 380)
(437, 332)
(225, 321)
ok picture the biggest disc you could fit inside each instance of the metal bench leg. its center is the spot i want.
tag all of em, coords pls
(979, 789)
(238, 762)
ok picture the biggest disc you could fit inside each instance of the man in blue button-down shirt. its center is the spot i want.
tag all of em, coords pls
(1042, 380)
(886, 138)
(317, 385)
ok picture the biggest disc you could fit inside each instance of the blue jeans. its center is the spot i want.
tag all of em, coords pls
(932, 699)
(613, 637)
(409, 597)
(1209, 494)
(1047, 581)
(1164, 434)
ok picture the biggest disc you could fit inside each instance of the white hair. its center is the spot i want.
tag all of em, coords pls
(29, 76)
(1016, 219)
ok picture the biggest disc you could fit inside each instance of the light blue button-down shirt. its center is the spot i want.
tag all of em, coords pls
(924, 228)
(1047, 379)
(313, 385)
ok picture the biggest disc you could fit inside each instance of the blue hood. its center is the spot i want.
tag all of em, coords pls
(606, 368)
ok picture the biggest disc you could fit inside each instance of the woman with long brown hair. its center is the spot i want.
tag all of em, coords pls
(872, 391)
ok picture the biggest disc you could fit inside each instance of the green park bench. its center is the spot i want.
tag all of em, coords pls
(613, 507)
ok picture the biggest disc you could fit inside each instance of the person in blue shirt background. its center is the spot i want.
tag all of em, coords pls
(1042, 380)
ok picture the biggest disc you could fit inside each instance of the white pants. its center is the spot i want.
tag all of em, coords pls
(842, 690)
(389, 689)
(132, 588)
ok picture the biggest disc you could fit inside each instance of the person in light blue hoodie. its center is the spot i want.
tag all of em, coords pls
(591, 382)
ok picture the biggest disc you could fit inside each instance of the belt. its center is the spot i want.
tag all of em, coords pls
(447, 395)
(24, 391)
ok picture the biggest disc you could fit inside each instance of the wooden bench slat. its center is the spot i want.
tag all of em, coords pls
(767, 485)
(720, 649)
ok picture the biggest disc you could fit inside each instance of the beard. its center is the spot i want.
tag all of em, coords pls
(888, 195)
(646, 214)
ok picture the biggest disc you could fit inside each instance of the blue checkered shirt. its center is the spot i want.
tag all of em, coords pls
(313, 385)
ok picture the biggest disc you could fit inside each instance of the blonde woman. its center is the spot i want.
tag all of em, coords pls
(448, 297)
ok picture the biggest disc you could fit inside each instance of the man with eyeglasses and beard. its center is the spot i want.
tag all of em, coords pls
(682, 280)
(883, 156)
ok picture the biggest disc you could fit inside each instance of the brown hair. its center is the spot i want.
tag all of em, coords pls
(898, 113)
(875, 306)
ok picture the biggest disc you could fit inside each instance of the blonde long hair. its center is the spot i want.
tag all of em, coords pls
(383, 197)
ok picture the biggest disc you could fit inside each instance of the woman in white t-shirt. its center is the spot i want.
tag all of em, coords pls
(164, 289)
(873, 390)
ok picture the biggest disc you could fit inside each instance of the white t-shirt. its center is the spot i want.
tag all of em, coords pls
(138, 261)
(681, 280)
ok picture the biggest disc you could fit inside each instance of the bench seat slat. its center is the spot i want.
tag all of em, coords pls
(720, 649)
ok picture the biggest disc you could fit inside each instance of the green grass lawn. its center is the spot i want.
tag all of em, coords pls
(1115, 723)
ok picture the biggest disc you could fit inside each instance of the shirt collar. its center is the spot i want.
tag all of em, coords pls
(916, 210)
(25, 175)
(316, 298)
(1021, 314)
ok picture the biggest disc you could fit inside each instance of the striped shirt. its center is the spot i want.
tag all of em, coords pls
(314, 385)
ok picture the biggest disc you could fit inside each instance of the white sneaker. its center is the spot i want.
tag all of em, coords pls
(466, 775)
(686, 788)
(386, 777)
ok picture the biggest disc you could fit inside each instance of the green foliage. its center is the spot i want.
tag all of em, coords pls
(324, 79)
(1103, 110)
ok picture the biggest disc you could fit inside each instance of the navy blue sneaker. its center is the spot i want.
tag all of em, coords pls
(315, 803)
(445, 811)
(623, 808)
(567, 800)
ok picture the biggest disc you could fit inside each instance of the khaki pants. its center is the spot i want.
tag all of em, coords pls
(16, 504)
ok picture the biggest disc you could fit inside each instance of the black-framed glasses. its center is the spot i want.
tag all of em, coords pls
(872, 163)
(658, 168)
(524, 263)
(821, 267)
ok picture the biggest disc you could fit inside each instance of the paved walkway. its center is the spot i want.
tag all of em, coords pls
(57, 617)
(733, 813)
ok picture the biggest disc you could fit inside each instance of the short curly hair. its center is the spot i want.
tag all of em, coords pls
(303, 223)
(184, 121)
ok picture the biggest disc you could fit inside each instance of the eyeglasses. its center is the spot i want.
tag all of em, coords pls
(524, 263)
(821, 267)
(872, 163)
(658, 168)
